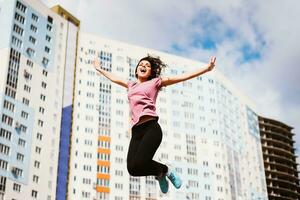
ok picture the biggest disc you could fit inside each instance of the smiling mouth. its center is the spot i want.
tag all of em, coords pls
(142, 70)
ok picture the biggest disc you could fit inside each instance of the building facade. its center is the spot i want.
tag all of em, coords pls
(65, 130)
(279, 159)
(211, 132)
(36, 45)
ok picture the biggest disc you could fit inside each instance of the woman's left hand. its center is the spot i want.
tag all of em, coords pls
(211, 64)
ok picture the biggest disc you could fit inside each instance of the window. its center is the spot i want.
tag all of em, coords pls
(9, 106)
(21, 142)
(40, 123)
(24, 115)
(20, 157)
(23, 128)
(43, 97)
(42, 110)
(17, 187)
(17, 42)
(19, 18)
(45, 61)
(45, 73)
(3, 164)
(32, 40)
(38, 150)
(7, 120)
(18, 172)
(30, 52)
(36, 164)
(5, 134)
(205, 163)
(34, 193)
(206, 187)
(119, 186)
(44, 85)
(39, 136)
(33, 28)
(27, 75)
(25, 101)
(34, 17)
(9, 92)
(29, 63)
(21, 7)
(50, 20)
(47, 49)
(2, 183)
(48, 38)
(49, 27)
(206, 174)
(17, 29)
(27, 88)
(35, 179)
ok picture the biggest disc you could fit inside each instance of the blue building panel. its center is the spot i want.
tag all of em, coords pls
(64, 146)
(7, 9)
(40, 37)
(16, 135)
(253, 123)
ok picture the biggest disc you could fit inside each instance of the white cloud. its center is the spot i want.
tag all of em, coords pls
(270, 27)
(272, 82)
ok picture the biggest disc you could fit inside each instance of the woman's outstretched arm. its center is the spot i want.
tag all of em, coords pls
(109, 75)
(183, 77)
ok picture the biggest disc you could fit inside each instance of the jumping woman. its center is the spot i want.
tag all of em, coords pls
(146, 132)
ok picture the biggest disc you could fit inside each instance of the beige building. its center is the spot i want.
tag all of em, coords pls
(211, 133)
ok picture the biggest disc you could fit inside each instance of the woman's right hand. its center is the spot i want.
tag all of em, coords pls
(97, 64)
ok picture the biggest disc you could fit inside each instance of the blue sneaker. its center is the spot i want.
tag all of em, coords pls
(163, 184)
(174, 178)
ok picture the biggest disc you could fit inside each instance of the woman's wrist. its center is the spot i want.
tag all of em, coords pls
(207, 68)
(99, 70)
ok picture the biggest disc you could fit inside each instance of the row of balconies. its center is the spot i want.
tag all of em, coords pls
(293, 183)
(294, 194)
(280, 152)
(284, 166)
(274, 124)
(292, 161)
(275, 172)
(264, 131)
(279, 196)
(264, 139)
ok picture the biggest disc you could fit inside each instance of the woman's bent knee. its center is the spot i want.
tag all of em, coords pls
(135, 168)
(131, 169)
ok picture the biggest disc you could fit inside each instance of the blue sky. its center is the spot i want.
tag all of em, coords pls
(256, 42)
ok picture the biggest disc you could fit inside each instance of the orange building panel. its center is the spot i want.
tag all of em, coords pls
(103, 163)
(102, 189)
(103, 176)
(101, 150)
(104, 138)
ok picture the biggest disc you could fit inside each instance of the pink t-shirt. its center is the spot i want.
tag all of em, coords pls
(142, 98)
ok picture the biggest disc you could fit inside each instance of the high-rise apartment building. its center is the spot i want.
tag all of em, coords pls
(211, 132)
(37, 51)
(73, 25)
(279, 159)
(210, 128)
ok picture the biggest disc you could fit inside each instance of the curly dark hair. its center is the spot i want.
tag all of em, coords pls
(156, 66)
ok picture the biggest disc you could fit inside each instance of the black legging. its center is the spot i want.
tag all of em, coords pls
(145, 139)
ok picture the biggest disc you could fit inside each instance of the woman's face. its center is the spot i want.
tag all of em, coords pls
(144, 69)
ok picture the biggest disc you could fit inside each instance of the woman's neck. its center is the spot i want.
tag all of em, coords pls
(141, 80)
